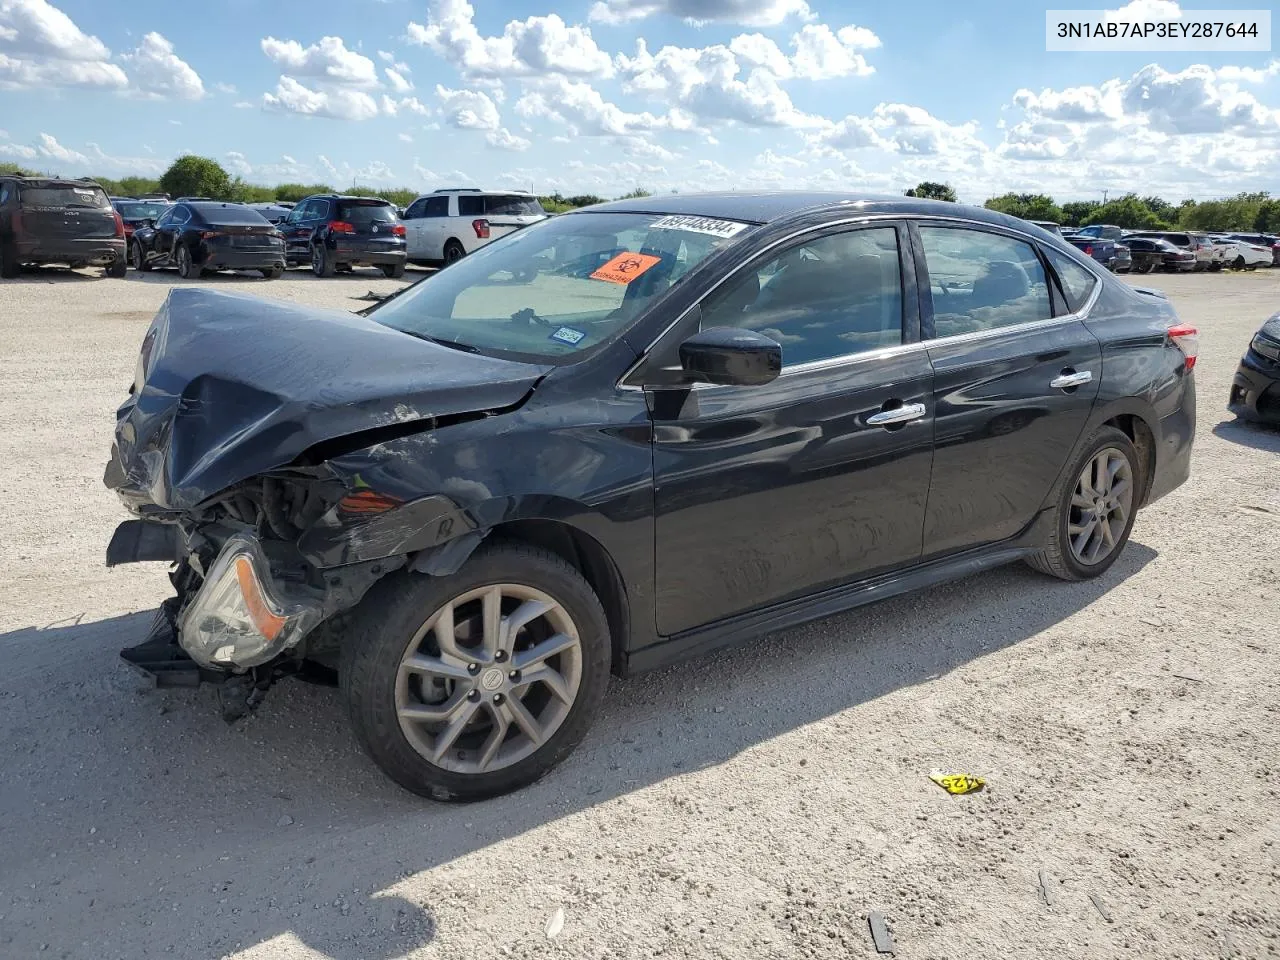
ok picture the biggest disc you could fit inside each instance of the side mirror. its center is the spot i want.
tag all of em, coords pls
(731, 357)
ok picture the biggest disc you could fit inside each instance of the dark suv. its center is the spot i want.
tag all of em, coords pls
(45, 220)
(624, 436)
(333, 232)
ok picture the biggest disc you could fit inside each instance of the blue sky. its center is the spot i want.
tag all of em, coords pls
(606, 95)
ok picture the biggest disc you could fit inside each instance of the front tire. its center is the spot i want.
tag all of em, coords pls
(118, 269)
(472, 685)
(274, 273)
(10, 268)
(1097, 503)
(139, 257)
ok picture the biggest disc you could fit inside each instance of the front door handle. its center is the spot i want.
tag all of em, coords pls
(1070, 378)
(902, 414)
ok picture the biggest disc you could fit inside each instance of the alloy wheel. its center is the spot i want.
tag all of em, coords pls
(488, 678)
(1100, 506)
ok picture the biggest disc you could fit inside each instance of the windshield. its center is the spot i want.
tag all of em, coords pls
(559, 287)
(356, 212)
(141, 211)
(68, 196)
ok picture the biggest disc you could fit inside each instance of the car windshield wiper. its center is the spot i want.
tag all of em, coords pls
(452, 344)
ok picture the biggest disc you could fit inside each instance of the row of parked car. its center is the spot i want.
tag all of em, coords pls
(1175, 251)
(48, 220)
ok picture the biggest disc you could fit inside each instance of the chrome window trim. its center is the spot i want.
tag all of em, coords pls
(881, 353)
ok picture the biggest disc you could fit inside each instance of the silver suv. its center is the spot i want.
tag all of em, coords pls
(446, 225)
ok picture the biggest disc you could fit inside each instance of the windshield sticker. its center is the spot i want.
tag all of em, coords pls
(708, 225)
(625, 267)
(569, 335)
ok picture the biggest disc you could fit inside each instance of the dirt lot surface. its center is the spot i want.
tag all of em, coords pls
(751, 805)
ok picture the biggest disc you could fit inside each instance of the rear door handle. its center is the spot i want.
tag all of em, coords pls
(1070, 378)
(902, 414)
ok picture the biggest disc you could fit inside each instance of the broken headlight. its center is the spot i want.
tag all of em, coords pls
(240, 617)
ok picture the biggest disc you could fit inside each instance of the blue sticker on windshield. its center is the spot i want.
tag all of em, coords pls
(569, 335)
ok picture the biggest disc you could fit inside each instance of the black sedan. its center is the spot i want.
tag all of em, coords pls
(480, 496)
(207, 236)
(1149, 255)
(1255, 390)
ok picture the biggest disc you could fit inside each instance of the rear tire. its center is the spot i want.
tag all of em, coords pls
(140, 261)
(118, 269)
(321, 262)
(187, 269)
(1239, 263)
(453, 252)
(389, 626)
(10, 268)
(393, 271)
(1061, 555)
(275, 273)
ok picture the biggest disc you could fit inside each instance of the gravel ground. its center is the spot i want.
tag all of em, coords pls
(755, 804)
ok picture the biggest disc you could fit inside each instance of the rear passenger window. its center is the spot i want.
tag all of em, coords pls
(1077, 281)
(982, 281)
(830, 297)
(470, 205)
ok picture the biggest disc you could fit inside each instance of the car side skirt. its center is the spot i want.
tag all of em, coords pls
(791, 613)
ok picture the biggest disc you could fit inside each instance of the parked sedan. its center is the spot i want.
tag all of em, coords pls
(1199, 244)
(333, 232)
(1151, 255)
(1255, 390)
(135, 213)
(757, 410)
(1263, 240)
(1103, 251)
(204, 237)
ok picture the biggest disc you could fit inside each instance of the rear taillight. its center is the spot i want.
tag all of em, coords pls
(481, 227)
(210, 234)
(1185, 337)
(1088, 251)
(341, 226)
(119, 223)
(398, 230)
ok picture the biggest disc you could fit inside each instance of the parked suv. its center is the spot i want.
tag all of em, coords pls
(334, 232)
(1101, 231)
(701, 418)
(447, 225)
(44, 220)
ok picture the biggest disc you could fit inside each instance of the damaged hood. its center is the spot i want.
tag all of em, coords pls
(229, 386)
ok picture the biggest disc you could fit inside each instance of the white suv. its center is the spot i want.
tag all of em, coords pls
(446, 225)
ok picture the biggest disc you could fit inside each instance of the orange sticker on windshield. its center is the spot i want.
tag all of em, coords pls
(625, 267)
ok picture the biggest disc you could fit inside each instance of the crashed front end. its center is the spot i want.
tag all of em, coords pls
(244, 463)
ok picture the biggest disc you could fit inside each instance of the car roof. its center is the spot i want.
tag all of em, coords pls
(345, 196)
(769, 205)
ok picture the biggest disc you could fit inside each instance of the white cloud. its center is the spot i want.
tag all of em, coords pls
(158, 73)
(292, 97)
(504, 139)
(40, 46)
(16, 150)
(757, 50)
(1195, 100)
(405, 138)
(37, 29)
(237, 164)
(327, 60)
(530, 47)
(822, 54)
(903, 129)
(243, 105)
(1144, 11)
(705, 83)
(469, 109)
(751, 13)
(227, 88)
(50, 148)
(397, 80)
(581, 108)
(414, 105)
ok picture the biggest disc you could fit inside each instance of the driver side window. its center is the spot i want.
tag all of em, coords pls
(828, 297)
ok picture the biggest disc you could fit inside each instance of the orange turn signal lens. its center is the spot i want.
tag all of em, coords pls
(269, 624)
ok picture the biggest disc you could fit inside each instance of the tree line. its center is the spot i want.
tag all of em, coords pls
(192, 176)
(1245, 212)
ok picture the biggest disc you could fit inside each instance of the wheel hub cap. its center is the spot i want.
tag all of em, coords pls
(492, 679)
